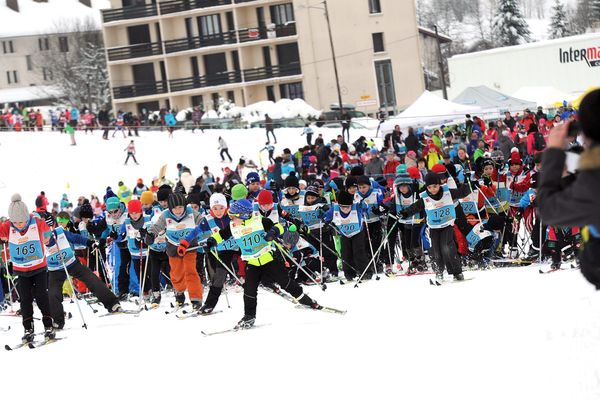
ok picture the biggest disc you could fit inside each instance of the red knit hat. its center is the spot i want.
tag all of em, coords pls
(515, 158)
(413, 172)
(265, 197)
(134, 206)
(438, 168)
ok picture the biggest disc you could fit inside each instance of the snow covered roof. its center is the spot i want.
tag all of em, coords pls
(543, 95)
(36, 18)
(27, 93)
(491, 100)
(527, 46)
(429, 32)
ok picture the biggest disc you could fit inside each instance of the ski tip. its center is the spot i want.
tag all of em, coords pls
(7, 347)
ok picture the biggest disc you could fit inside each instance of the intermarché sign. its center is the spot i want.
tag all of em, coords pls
(590, 55)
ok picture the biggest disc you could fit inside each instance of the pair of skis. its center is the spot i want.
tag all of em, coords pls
(32, 344)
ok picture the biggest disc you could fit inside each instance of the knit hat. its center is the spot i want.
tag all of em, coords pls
(175, 200)
(77, 212)
(239, 191)
(112, 203)
(515, 158)
(291, 237)
(411, 154)
(147, 197)
(351, 181)
(265, 197)
(252, 177)
(432, 179)
(357, 170)
(17, 210)
(413, 172)
(401, 169)
(311, 191)
(39, 201)
(402, 178)
(439, 169)
(163, 192)
(345, 199)
(134, 206)
(363, 180)
(194, 198)
(302, 182)
(487, 161)
(291, 181)
(86, 211)
(218, 199)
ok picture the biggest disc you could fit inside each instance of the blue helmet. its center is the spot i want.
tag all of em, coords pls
(241, 209)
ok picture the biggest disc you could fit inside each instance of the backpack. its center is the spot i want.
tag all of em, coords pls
(539, 143)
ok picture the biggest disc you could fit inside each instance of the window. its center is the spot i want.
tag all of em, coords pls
(374, 7)
(29, 63)
(282, 13)
(198, 101)
(378, 46)
(10, 45)
(43, 44)
(292, 91)
(47, 74)
(270, 93)
(210, 25)
(7, 47)
(8, 75)
(385, 84)
(231, 96)
(215, 100)
(12, 77)
(63, 44)
(15, 77)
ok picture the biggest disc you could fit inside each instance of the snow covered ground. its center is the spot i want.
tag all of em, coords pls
(508, 334)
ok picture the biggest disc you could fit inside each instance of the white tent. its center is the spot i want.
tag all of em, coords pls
(429, 110)
(491, 101)
(545, 96)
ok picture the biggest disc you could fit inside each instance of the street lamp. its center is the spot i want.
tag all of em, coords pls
(335, 68)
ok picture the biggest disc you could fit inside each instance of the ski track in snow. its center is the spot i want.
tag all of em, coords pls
(510, 333)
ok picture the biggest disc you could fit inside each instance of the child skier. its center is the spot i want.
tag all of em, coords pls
(130, 230)
(254, 235)
(27, 236)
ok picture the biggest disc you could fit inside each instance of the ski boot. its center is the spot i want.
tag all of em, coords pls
(439, 278)
(205, 310)
(28, 336)
(533, 255)
(116, 308)
(197, 305)
(307, 301)
(555, 265)
(49, 333)
(59, 326)
(389, 271)
(155, 300)
(179, 298)
(459, 277)
(246, 322)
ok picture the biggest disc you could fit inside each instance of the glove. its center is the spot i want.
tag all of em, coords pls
(210, 243)
(113, 234)
(378, 210)
(92, 244)
(139, 243)
(475, 183)
(149, 238)
(272, 234)
(182, 248)
(303, 229)
(143, 231)
(404, 214)
(486, 181)
(332, 185)
(519, 215)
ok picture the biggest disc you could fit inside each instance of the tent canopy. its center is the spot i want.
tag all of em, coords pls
(28, 93)
(492, 101)
(429, 110)
(545, 96)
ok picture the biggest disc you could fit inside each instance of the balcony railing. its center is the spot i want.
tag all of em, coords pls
(134, 51)
(250, 34)
(140, 89)
(169, 7)
(242, 1)
(275, 71)
(195, 82)
(196, 42)
(118, 14)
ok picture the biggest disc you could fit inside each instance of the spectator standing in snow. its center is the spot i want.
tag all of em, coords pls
(309, 133)
(269, 128)
(197, 115)
(224, 149)
(130, 149)
(346, 125)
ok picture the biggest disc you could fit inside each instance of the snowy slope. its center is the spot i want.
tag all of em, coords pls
(508, 334)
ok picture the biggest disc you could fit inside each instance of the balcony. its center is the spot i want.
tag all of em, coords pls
(170, 7)
(134, 51)
(196, 82)
(119, 14)
(250, 34)
(242, 1)
(196, 42)
(140, 89)
(275, 71)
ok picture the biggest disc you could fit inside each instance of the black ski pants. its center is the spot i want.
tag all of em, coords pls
(159, 261)
(443, 251)
(355, 256)
(32, 287)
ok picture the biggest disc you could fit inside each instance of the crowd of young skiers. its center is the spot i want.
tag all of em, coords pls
(441, 201)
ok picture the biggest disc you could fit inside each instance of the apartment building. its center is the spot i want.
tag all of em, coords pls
(30, 29)
(183, 53)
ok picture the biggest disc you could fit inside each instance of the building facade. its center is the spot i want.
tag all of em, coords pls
(182, 53)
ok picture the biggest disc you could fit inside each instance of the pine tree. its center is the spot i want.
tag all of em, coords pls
(509, 26)
(558, 22)
(595, 12)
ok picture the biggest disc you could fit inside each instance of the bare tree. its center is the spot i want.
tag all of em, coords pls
(77, 64)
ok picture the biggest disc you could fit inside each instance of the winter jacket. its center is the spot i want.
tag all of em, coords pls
(573, 205)
(412, 143)
(505, 144)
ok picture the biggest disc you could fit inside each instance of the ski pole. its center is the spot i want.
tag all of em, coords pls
(321, 248)
(335, 252)
(368, 265)
(62, 259)
(9, 280)
(286, 254)
(214, 253)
